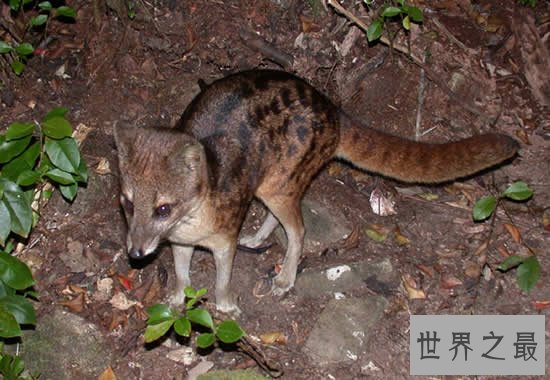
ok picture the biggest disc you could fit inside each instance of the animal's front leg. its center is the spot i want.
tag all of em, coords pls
(225, 299)
(182, 262)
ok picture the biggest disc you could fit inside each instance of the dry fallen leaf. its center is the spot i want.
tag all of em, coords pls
(546, 220)
(108, 374)
(103, 167)
(381, 204)
(541, 305)
(449, 281)
(523, 136)
(513, 231)
(377, 233)
(471, 269)
(274, 337)
(125, 281)
(412, 290)
(75, 304)
(427, 270)
(121, 302)
(118, 318)
(400, 239)
(352, 240)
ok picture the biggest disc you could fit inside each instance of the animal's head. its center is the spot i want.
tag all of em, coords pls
(163, 177)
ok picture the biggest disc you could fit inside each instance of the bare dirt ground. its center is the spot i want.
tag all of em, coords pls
(486, 69)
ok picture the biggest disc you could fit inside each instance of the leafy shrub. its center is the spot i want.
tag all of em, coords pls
(162, 318)
(528, 268)
(43, 11)
(30, 156)
(398, 9)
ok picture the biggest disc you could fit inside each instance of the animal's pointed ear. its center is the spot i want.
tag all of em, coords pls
(123, 137)
(188, 157)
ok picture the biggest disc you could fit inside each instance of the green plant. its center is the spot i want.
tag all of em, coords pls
(11, 367)
(31, 155)
(528, 3)
(393, 10)
(528, 268)
(42, 12)
(162, 318)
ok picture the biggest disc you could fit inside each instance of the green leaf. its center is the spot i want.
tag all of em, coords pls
(201, 292)
(11, 149)
(5, 47)
(61, 177)
(55, 112)
(64, 154)
(15, 167)
(484, 207)
(6, 289)
(82, 171)
(377, 236)
(414, 13)
(201, 317)
(24, 49)
(14, 272)
(9, 328)
(182, 326)
(160, 313)
(18, 130)
(27, 178)
(229, 331)
(20, 211)
(190, 292)
(65, 11)
(407, 23)
(57, 127)
(69, 191)
(153, 332)
(45, 5)
(5, 223)
(528, 273)
(205, 340)
(510, 262)
(374, 31)
(17, 66)
(518, 191)
(31, 154)
(39, 20)
(20, 307)
(15, 5)
(391, 11)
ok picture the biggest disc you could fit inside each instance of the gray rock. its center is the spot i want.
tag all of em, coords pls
(343, 329)
(343, 278)
(65, 346)
(323, 226)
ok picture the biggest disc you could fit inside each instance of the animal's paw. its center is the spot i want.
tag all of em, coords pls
(280, 286)
(229, 308)
(251, 241)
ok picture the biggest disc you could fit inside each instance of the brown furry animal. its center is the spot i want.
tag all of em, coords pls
(262, 134)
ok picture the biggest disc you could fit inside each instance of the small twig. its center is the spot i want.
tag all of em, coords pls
(417, 61)
(451, 37)
(271, 367)
(259, 44)
(350, 16)
(419, 103)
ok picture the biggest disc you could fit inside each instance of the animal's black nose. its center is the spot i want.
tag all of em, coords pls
(136, 253)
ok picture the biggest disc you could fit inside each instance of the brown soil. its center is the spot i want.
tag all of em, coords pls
(144, 72)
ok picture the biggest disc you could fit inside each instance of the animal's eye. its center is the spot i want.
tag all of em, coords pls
(163, 211)
(127, 205)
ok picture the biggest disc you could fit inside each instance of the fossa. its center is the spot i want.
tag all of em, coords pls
(262, 134)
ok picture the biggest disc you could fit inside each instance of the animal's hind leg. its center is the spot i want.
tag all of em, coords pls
(287, 210)
(253, 241)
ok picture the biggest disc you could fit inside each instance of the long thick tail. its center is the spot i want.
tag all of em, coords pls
(411, 161)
